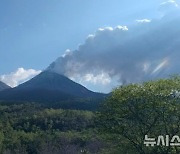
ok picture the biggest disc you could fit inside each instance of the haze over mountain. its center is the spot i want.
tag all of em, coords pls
(3, 86)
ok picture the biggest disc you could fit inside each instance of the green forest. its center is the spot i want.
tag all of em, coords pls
(118, 126)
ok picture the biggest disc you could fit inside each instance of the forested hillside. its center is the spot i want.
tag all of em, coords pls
(30, 128)
(119, 126)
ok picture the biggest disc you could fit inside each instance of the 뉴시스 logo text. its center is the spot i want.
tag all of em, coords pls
(162, 141)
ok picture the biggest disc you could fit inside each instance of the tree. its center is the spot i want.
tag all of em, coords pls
(136, 110)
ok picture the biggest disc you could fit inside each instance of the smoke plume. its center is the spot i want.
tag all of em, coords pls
(120, 55)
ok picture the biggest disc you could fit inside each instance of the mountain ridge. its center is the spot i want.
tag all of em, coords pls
(54, 81)
(53, 88)
(3, 86)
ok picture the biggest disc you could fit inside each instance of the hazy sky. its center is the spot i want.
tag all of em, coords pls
(33, 33)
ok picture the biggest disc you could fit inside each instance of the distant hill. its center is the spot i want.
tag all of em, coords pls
(53, 89)
(3, 86)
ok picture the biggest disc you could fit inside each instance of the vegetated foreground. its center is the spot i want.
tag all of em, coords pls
(118, 126)
(31, 128)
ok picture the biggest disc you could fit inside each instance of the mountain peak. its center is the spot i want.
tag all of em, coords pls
(50, 87)
(54, 81)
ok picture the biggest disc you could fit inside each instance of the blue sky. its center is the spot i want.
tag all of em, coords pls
(33, 33)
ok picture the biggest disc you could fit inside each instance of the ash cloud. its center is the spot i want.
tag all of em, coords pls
(137, 53)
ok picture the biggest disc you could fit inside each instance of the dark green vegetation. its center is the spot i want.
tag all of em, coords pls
(30, 128)
(117, 127)
(136, 110)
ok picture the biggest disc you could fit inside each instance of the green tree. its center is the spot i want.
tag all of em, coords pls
(136, 110)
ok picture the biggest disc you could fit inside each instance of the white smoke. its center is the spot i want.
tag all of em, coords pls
(143, 51)
(19, 76)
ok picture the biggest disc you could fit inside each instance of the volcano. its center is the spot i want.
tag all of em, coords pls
(53, 89)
